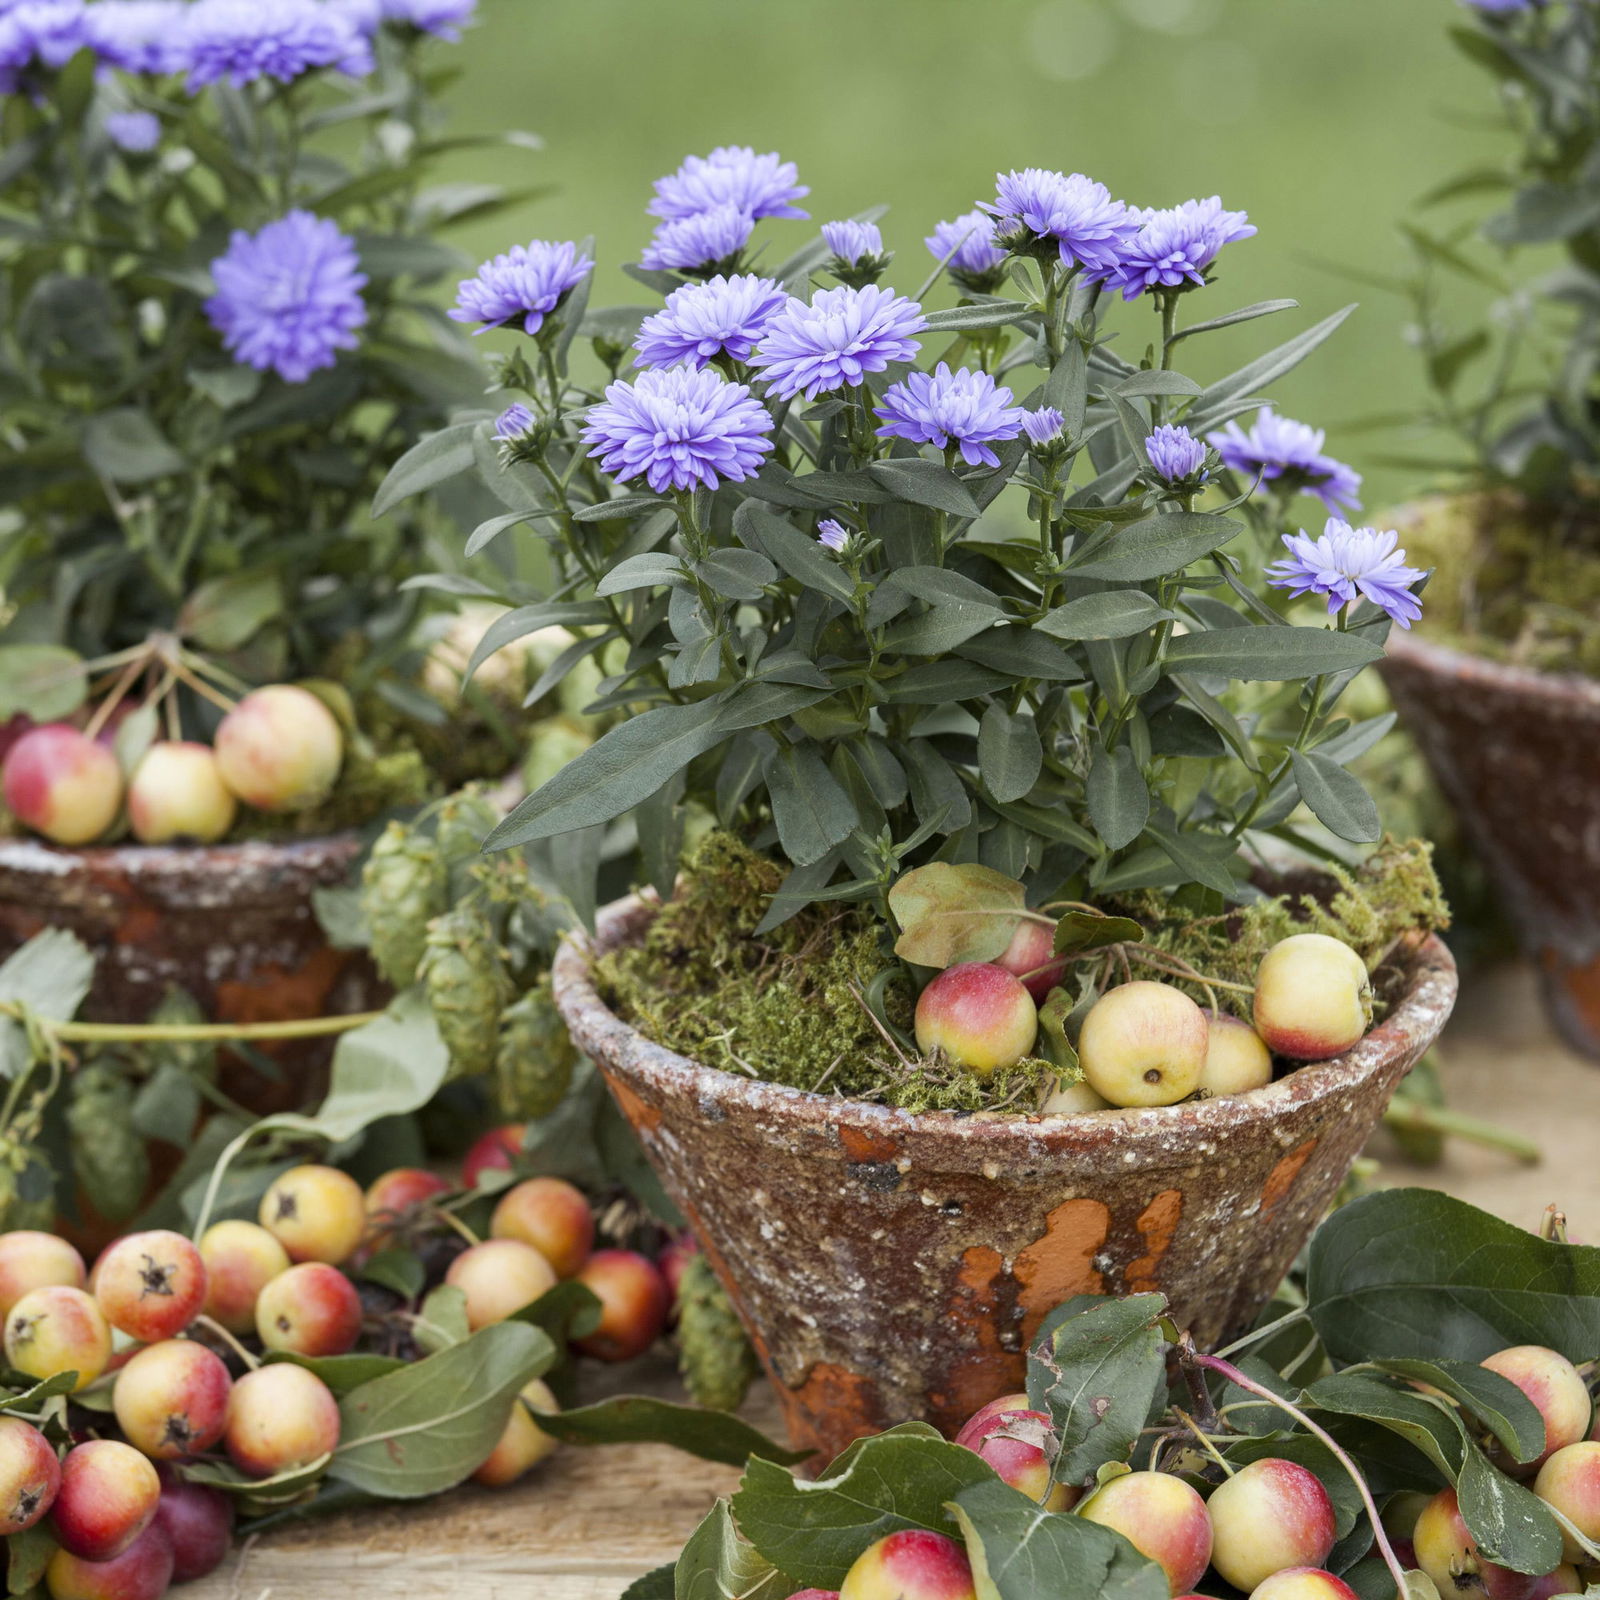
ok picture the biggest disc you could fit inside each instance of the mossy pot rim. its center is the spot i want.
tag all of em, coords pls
(1425, 999)
(1453, 661)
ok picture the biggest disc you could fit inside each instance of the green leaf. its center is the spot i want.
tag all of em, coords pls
(1202, 857)
(1497, 1402)
(1338, 798)
(1019, 1552)
(47, 681)
(1092, 930)
(1010, 756)
(984, 314)
(428, 463)
(937, 683)
(926, 483)
(1119, 798)
(814, 1531)
(624, 506)
(1260, 652)
(31, 1398)
(569, 1311)
(717, 1564)
(1156, 547)
(1509, 1523)
(442, 1322)
(647, 571)
(952, 913)
(1257, 375)
(342, 1374)
(1425, 1424)
(1021, 652)
(423, 1429)
(798, 555)
(1410, 1273)
(1113, 614)
(736, 574)
(643, 1419)
(27, 1555)
(50, 975)
(126, 446)
(1262, 308)
(1156, 380)
(812, 812)
(226, 612)
(518, 624)
(657, 1584)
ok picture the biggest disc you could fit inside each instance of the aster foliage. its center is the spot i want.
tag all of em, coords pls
(877, 582)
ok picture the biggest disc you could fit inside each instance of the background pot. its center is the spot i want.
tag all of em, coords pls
(233, 924)
(1517, 753)
(893, 1266)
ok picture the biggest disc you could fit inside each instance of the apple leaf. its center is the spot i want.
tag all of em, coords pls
(949, 914)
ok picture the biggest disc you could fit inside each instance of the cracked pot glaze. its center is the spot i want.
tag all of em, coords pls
(1517, 754)
(891, 1265)
(232, 924)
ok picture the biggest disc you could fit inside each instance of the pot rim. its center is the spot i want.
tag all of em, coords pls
(22, 853)
(1430, 991)
(1427, 655)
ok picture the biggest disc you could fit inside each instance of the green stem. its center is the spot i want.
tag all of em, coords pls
(189, 1032)
(1409, 1117)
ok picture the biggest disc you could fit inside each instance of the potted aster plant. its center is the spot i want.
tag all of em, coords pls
(1010, 919)
(215, 339)
(1500, 693)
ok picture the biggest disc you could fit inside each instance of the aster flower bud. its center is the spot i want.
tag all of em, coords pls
(703, 243)
(1177, 459)
(858, 254)
(1046, 431)
(832, 534)
(967, 246)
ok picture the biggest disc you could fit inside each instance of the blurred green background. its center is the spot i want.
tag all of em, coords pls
(1324, 119)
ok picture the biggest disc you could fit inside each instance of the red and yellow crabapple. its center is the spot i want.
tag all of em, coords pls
(495, 1151)
(1570, 1482)
(32, 1260)
(1302, 1583)
(634, 1303)
(1562, 1580)
(1269, 1516)
(107, 1499)
(1237, 1060)
(177, 794)
(979, 1015)
(310, 1310)
(171, 1399)
(914, 1564)
(1162, 1517)
(551, 1215)
(1031, 957)
(673, 1258)
(499, 1277)
(198, 1520)
(1447, 1552)
(150, 1285)
(1558, 1393)
(1143, 1044)
(63, 784)
(398, 1197)
(30, 1475)
(143, 1571)
(241, 1259)
(1313, 997)
(316, 1213)
(280, 749)
(1073, 1100)
(58, 1329)
(1015, 1440)
(523, 1444)
(280, 1417)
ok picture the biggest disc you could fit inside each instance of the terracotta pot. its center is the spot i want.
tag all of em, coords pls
(232, 924)
(1517, 753)
(893, 1266)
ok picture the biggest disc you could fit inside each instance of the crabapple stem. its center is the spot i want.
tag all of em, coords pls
(451, 1220)
(217, 1330)
(1203, 1439)
(1287, 1320)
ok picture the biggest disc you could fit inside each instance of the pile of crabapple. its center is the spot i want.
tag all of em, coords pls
(279, 749)
(1146, 1043)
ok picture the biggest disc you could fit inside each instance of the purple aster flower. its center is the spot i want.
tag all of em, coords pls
(723, 316)
(528, 281)
(1088, 227)
(963, 408)
(832, 534)
(289, 296)
(514, 421)
(1173, 248)
(139, 35)
(836, 340)
(1280, 448)
(703, 240)
(852, 242)
(137, 132)
(1347, 563)
(732, 175)
(1046, 426)
(1175, 454)
(679, 428)
(49, 32)
(443, 17)
(967, 243)
(243, 41)
(1500, 8)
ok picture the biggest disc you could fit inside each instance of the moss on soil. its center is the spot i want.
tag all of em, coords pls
(790, 1006)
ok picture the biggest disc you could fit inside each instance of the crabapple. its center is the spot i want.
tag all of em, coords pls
(30, 1475)
(1558, 1393)
(979, 1015)
(1570, 1482)
(1014, 1440)
(107, 1499)
(499, 1277)
(815, 1594)
(1302, 1583)
(58, 1329)
(523, 1444)
(61, 783)
(199, 1522)
(1143, 1044)
(1447, 1552)
(1237, 1059)
(913, 1564)
(280, 749)
(32, 1260)
(1075, 1100)
(150, 1285)
(311, 1310)
(1313, 997)
(673, 1257)
(280, 1417)
(1028, 957)
(1161, 1517)
(1269, 1516)
(315, 1213)
(177, 793)
(634, 1302)
(397, 1197)
(1563, 1580)
(241, 1259)
(142, 1572)
(495, 1151)
(551, 1215)
(171, 1399)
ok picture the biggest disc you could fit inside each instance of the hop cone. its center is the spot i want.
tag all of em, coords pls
(108, 1155)
(464, 822)
(402, 890)
(467, 986)
(533, 1068)
(714, 1356)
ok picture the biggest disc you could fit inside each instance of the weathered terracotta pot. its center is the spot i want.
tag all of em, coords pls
(893, 1266)
(232, 924)
(1517, 753)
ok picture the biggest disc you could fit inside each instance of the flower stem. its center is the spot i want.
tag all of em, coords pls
(189, 1032)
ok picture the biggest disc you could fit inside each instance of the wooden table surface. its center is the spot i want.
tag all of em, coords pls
(588, 1522)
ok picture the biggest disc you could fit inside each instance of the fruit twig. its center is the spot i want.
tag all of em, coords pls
(217, 1331)
(102, 712)
(1203, 1439)
(188, 1032)
(1410, 1117)
(200, 686)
